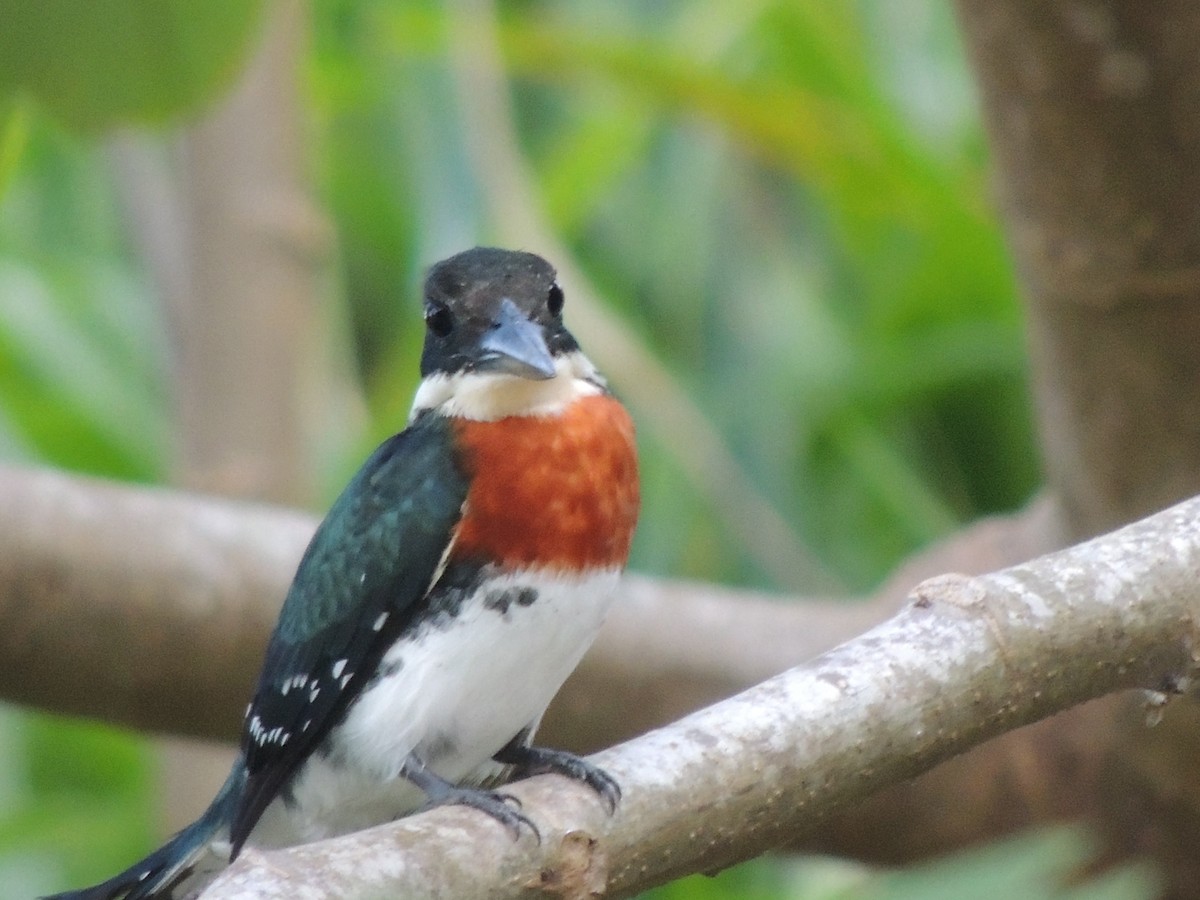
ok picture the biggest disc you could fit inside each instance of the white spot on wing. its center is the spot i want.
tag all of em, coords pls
(338, 667)
(296, 681)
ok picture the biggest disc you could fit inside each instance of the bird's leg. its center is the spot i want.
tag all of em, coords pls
(530, 760)
(440, 792)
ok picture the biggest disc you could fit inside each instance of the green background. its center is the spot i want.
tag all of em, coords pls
(787, 201)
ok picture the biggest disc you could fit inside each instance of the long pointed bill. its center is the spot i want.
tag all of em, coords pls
(515, 346)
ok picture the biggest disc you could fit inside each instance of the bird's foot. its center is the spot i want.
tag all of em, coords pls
(504, 808)
(540, 760)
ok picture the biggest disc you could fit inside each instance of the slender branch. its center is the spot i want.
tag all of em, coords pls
(967, 659)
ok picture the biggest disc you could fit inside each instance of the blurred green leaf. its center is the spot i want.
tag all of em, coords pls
(1037, 866)
(104, 62)
(81, 789)
(755, 880)
(1050, 864)
(14, 135)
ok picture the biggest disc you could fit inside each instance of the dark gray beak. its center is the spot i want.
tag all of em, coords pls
(515, 346)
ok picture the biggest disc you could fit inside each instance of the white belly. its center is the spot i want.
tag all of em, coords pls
(460, 691)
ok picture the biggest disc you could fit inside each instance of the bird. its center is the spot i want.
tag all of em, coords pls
(452, 587)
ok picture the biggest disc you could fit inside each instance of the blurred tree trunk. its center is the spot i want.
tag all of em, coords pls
(236, 248)
(1093, 114)
(1091, 109)
(245, 335)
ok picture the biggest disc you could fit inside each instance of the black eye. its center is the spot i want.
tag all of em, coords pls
(554, 300)
(439, 321)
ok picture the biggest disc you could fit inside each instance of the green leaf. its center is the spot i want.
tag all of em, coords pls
(14, 135)
(104, 62)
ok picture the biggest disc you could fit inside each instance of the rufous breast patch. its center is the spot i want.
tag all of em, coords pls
(557, 492)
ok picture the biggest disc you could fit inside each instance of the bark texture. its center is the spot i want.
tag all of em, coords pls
(966, 659)
(1091, 111)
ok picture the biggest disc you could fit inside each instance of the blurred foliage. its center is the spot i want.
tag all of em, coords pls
(82, 368)
(1044, 865)
(785, 200)
(787, 205)
(104, 62)
(1040, 866)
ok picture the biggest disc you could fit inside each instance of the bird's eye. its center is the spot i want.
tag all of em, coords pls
(439, 321)
(554, 300)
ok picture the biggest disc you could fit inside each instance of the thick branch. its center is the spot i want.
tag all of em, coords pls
(190, 586)
(250, 359)
(967, 659)
(161, 601)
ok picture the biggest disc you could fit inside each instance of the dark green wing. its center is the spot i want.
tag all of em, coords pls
(365, 574)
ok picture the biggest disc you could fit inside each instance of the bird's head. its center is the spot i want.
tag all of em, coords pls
(495, 343)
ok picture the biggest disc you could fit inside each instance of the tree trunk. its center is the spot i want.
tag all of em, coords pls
(1091, 110)
(241, 291)
(1092, 113)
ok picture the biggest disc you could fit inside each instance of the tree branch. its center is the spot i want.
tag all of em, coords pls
(100, 574)
(967, 659)
(190, 586)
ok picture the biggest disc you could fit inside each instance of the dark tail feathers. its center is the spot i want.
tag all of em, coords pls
(159, 875)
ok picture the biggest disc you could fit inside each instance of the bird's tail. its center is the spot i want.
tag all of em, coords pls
(183, 864)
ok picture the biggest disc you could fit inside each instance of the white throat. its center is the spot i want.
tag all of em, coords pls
(488, 396)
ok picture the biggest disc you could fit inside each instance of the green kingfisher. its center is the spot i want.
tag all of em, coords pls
(452, 587)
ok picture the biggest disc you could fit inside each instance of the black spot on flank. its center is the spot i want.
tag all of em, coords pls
(498, 601)
(457, 585)
(501, 599)
(325, 748)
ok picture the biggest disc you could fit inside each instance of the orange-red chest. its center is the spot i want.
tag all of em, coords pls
(558, 492)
